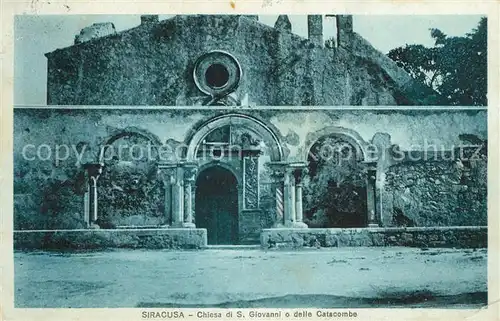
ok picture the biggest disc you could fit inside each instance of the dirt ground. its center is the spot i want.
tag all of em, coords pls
(319, 278)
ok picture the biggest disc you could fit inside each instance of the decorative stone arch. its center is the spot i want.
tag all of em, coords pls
(361, 146)
(95, 170)
(155, 140)
(251, 123)
(348, 135)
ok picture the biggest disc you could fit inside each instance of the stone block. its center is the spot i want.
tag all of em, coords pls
(331, 240)
(362, 238)
(122, 238)
(378, 239)
(412, 237)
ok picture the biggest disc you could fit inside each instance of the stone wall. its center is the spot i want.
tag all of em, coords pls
(100, 239)
(459, 237)
(153, 63)
(49, 193)
(435, 193)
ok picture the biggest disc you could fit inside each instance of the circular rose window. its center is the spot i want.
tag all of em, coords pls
(217, 73)
(217, 76)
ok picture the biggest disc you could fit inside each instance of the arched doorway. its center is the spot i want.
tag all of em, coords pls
(243, 144)
(216, 205)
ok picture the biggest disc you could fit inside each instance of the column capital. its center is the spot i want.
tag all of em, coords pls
(296, 172)
(299, 174)
(298, 166)
(94, 170)
(190, 174)
(166, 173)
(277, 170)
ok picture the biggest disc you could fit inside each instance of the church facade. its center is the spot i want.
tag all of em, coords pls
(223, 125)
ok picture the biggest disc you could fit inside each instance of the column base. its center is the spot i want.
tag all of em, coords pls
(184, 224)
(297, 225)
(373, 225)
(188, 225)
(93, 226)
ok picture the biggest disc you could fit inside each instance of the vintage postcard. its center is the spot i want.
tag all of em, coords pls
(250, 161)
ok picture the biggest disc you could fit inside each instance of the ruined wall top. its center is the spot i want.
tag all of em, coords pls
(153, 63)
(96, 30)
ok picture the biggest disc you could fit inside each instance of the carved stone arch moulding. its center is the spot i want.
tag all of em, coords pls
(266, 131)
(350, 136)
(129, 131)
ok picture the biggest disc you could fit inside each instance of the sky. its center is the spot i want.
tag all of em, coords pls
(37, 35)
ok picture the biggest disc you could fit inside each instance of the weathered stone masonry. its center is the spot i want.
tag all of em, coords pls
(153, 63)
(400, 194)
(202, 61)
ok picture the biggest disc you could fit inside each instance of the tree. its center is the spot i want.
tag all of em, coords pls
(456, 67)
(335, 189)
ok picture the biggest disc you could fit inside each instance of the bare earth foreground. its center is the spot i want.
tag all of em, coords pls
(322, 278)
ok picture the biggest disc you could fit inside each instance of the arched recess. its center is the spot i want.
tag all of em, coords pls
(338, 192)
(129, 131)
(259, 127)
(129, 192)
(346, 134)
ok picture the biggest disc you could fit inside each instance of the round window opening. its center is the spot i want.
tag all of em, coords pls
(217, 76)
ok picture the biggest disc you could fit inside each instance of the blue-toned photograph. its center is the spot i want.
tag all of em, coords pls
(238, 161)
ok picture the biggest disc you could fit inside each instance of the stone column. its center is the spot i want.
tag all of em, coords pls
(344, 31)
(299, 216)
(277, 186)
(166, 174)
(94, 170)
(315, 29)
(190, 171)
(86, 208)
(371, 174)
(178, 198)
(289, 197)
(283, 46)
(93, 197)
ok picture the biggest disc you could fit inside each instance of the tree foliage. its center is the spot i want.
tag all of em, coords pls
(334, 190)
(455, 67)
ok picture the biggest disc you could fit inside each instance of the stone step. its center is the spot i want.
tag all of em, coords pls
(233, 247)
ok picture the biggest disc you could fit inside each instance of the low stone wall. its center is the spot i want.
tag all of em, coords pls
(458, 236)
(171, 238)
